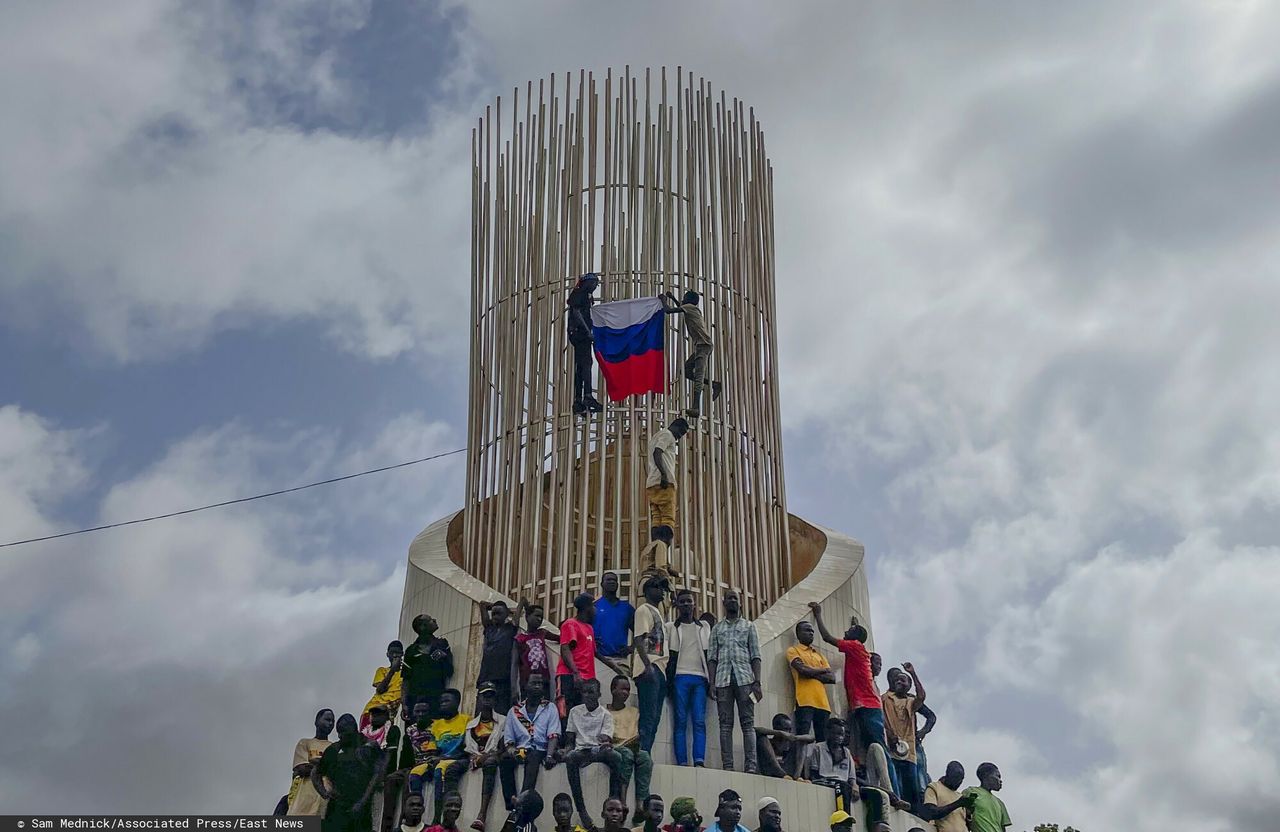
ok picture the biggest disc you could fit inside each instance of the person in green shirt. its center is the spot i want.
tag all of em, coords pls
(986, 812)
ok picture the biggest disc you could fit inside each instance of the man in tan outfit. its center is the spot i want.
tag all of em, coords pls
(660, 488)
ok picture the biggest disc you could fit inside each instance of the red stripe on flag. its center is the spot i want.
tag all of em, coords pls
(644, 373)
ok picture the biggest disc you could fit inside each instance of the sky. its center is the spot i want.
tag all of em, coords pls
(1027, 284)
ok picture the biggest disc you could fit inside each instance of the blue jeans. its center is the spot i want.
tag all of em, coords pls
(905, 783)
(870, 723)
(651, 686)
(690, 703)
(922, 770)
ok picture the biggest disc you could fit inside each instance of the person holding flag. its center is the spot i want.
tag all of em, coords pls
(695, 367)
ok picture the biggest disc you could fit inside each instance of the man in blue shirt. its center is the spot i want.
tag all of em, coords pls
(613, 621)
(529, 737)
(729, 813)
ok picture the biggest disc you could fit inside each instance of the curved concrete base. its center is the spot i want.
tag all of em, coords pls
(435, 584)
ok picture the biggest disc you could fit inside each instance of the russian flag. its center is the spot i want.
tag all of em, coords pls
(628, 340)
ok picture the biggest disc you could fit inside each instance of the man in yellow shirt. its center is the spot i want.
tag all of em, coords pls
(386, 686)
(811, 673)
(942, 801)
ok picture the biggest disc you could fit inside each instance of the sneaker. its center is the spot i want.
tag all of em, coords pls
(592, 405)
(692, 414)
(579, 408)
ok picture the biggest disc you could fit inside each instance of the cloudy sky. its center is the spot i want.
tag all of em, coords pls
(1027, 273)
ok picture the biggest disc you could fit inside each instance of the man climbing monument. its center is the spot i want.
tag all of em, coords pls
(660, 487)
(695, 367)
(582, 340)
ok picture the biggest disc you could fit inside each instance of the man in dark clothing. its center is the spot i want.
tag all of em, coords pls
(426, 668)
(582, 339)
(352, 765)
(496, 662)
(779, 751)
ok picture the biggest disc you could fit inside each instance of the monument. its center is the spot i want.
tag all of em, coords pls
(656, 183)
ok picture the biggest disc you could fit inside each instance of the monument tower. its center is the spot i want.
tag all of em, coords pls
(657, 183)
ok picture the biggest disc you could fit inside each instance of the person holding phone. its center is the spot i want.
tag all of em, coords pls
(733, 662)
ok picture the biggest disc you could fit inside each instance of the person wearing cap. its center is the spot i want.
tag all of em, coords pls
(581, 334)
(483, 746)
(650, 672)
(770, 815)
(577, 650)
(660, 489)
(379, 727)
(728, 813)
(684, 816)
(841, 821)
(699, 335)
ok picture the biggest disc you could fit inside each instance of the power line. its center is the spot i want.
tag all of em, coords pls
(235, 501)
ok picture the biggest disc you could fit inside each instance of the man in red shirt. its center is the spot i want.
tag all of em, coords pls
(865, 708)
(577, 651)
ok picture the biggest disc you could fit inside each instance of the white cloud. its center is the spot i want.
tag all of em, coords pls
(1026, 276)
(237, 623)
(185, 215)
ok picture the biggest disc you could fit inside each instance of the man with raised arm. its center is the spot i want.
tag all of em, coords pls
(497, 651)
(733, 660)
(866, 713)
(660, 489)
(699, 335)
(900, 709)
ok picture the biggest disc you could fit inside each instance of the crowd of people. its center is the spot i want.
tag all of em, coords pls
(412, 744)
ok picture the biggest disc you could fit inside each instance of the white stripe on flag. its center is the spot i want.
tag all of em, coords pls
(620, 314)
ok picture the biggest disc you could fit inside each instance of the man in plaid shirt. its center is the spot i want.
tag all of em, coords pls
(733, 661)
